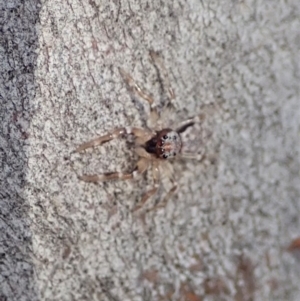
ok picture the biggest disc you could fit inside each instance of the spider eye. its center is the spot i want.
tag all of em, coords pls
(165, 137)
(165, 156)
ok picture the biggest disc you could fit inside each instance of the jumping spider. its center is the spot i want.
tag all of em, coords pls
(156, 145)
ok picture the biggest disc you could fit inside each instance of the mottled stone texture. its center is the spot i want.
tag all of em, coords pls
(18, 57)
(224, 234)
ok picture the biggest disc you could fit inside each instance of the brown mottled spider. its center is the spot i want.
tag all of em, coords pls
(155, 145)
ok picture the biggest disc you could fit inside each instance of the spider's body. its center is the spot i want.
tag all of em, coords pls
(154, 145)
(166, 144)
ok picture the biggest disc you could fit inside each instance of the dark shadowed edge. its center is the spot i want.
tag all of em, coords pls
(18, 44)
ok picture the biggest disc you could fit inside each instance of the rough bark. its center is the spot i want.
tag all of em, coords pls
(224, 235)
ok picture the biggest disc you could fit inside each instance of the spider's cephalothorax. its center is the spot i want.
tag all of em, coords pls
(154, 145)
(166, 144)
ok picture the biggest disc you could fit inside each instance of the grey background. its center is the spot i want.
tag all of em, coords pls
(224, 235)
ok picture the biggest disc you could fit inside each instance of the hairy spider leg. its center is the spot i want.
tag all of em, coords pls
(140, 92)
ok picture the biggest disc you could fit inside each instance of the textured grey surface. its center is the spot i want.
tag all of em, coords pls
(223, 236)
(18, 44)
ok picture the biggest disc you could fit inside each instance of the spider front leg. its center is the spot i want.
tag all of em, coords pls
(182, 127)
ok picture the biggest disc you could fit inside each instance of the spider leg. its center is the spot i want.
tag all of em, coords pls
(141, 152)
(109, 176)
(184, 125)
(168, 171)
(102, 139)
(135, 87)
(145, 197)
(142, 136)
(158, 61)
(165, 200)
(140, 92)
(112, 135)
(141, 167)
(196, 156)
(151, 192)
